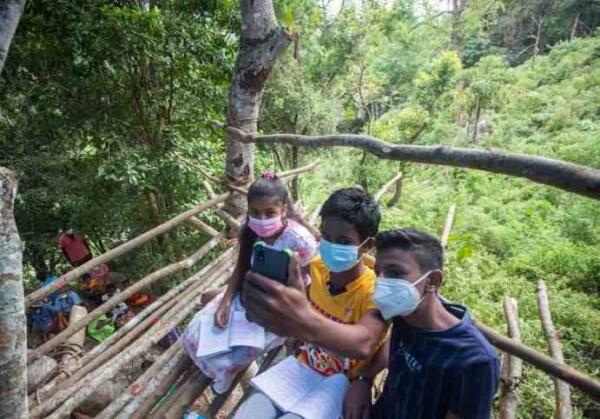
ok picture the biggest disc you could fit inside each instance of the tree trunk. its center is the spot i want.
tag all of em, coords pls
(13, 326)
(262, 41)
(10, 13)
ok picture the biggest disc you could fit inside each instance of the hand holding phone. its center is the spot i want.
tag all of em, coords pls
(271, 263)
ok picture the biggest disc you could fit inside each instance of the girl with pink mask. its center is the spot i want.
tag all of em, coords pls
(269, 220)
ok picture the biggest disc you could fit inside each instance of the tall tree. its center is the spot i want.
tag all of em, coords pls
(262, 41)
(13, 332)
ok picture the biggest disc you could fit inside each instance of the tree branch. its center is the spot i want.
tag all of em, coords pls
(570, 177)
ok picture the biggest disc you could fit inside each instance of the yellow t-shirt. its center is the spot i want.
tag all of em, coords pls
(347, 307)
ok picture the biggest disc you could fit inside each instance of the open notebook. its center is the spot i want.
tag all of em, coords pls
(295, 387)
(239, 332)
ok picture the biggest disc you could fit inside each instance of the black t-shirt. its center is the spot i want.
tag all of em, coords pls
(433, 372)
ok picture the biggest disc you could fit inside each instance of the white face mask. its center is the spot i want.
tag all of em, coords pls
(397, 297)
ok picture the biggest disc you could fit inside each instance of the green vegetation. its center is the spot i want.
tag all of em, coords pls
(103, 106)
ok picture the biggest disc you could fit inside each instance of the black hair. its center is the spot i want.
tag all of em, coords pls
(426, 249)
(356, 207)
(267, 186)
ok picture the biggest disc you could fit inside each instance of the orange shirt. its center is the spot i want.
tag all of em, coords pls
(347, 307)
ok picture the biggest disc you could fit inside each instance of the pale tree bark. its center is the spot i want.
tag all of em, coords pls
(570, 177)
(10, 13)
(262, 41)
(13, 332)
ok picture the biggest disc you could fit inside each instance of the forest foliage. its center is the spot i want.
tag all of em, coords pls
(107, 108)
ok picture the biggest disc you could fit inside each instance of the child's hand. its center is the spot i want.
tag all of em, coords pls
(222, 313)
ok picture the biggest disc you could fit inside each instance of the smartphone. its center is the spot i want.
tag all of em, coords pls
(270, 262)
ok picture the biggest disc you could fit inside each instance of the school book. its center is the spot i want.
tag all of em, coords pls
(239, 332)
(294, 387)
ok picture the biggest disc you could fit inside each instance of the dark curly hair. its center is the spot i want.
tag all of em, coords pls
(426, 249)
(356, 207)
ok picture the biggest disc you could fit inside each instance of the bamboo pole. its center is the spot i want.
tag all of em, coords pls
(229, 220)
(387, 186)
(513, 366)
(39, 372)
(115, 349)
(161, 411)
(448, 226)
(189, 392)
(72, 396)
(202, 226)
(135, 333)
(563, 408)
(197, 277)
(298, 170)
(144, 403)
(563, 371)
(122, 249)
(118, 298)
(171, 359)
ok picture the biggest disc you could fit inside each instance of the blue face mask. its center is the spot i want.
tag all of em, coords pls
(339, 257)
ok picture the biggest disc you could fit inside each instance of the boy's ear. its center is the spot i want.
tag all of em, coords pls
(368, 245)
(435, 280)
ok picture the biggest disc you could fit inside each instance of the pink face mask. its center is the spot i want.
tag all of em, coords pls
(267, 227)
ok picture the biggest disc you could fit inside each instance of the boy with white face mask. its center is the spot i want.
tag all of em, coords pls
(440, 366)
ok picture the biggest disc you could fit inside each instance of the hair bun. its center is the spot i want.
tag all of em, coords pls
(269, 175)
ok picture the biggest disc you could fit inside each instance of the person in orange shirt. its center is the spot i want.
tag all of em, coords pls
(340, 297)
(74, 247)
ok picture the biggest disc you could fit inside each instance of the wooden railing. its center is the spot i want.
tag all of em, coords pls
(61, 394)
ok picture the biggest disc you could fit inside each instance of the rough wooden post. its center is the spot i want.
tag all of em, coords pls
(561, 389)
(262, 41)
(13, 325)
(512, 367)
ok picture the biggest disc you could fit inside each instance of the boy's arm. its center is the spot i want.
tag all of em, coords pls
(286, 311)
(356, 341)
